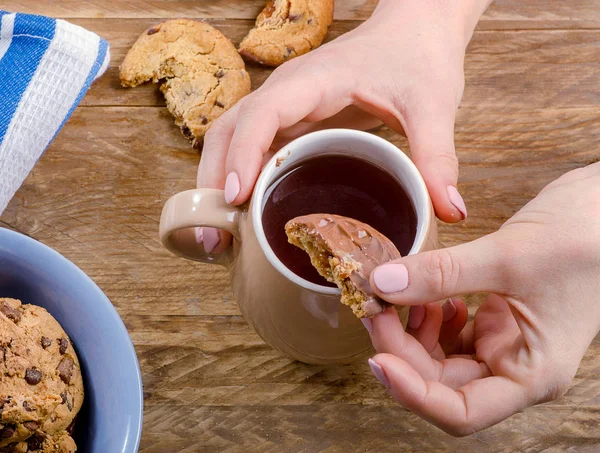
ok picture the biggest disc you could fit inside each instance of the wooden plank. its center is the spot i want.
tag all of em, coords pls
(503, 14)
(356, 428)
(531, 69)
(530, 113)
(143, 159)
(97, 193)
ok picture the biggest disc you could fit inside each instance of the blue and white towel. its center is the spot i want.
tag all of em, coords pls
(46, 67)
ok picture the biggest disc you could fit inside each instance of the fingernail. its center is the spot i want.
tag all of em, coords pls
(210, 238)
(368, 323)
(232, 187)
(391, 278)
(448, 311)
(457, 200)
(379, 373)
(416, 316)
(199, 234)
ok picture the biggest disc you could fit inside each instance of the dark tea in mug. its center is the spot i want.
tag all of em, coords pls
(342, 185)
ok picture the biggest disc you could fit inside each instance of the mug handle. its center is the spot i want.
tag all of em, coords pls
(197, 208)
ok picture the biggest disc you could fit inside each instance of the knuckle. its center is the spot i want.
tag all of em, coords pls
(250, 104)
(440, 271)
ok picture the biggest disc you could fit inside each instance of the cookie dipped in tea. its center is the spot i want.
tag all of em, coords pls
(345, 252)
(337, 185)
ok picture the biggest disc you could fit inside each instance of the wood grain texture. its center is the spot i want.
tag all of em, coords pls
(531, 112)
(533, 69)
(502, 14)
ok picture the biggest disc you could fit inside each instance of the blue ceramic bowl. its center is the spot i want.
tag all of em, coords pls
(111, 418)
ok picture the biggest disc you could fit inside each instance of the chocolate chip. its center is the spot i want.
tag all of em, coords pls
(7, 431)
(67, 399)
(33, 376)
(198, 143)
(46, 342)
(65, 369)
(294, 17)
(203, 120)
(218, 104)
(31, 426)
(309, 21)
(28, 407)
(288, 52)
(63, 344)
(153, 30)
(186, 131)
(220, 73)
(36, 441)
(3, 402)
(11, 313)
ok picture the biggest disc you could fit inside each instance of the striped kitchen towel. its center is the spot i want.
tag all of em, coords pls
(46, 67)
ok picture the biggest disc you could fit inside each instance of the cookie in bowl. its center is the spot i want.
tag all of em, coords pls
(199, 69)
(41, 387)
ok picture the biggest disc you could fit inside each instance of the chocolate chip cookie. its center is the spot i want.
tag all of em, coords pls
(286, 29)
(41, 388)
(200, 72)
(345, 252)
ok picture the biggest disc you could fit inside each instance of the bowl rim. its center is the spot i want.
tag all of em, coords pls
(15, 237)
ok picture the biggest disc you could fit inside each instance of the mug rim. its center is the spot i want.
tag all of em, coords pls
(266, 179)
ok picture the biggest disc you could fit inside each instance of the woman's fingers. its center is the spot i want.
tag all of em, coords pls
(430, 134)
(455, 316)
(211, 174)
(262, 114)
(477, 405)
(424, 324)
(388, 336)
(439, 274)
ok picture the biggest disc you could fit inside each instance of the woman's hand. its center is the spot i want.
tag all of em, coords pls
(526, 340)
(403, 67)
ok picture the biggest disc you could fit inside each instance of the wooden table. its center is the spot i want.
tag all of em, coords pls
(531, 112)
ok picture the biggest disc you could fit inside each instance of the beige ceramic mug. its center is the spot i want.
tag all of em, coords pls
(303, 320)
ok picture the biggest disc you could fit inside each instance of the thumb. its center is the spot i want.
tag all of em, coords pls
(431, 137)
(439, 274)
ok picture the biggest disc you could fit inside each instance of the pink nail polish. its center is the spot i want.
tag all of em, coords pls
(210, 238)
(232, 187)
(448, 311)
(368, 323)
(416, 316)
(199, 235)
(391, 278)
(456, 199)
(379, 373)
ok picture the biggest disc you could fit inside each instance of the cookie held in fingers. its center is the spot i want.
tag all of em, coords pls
(200, 72)
(345, 252)
(286, 29)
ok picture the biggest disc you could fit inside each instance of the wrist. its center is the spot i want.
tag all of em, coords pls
(461, 16)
